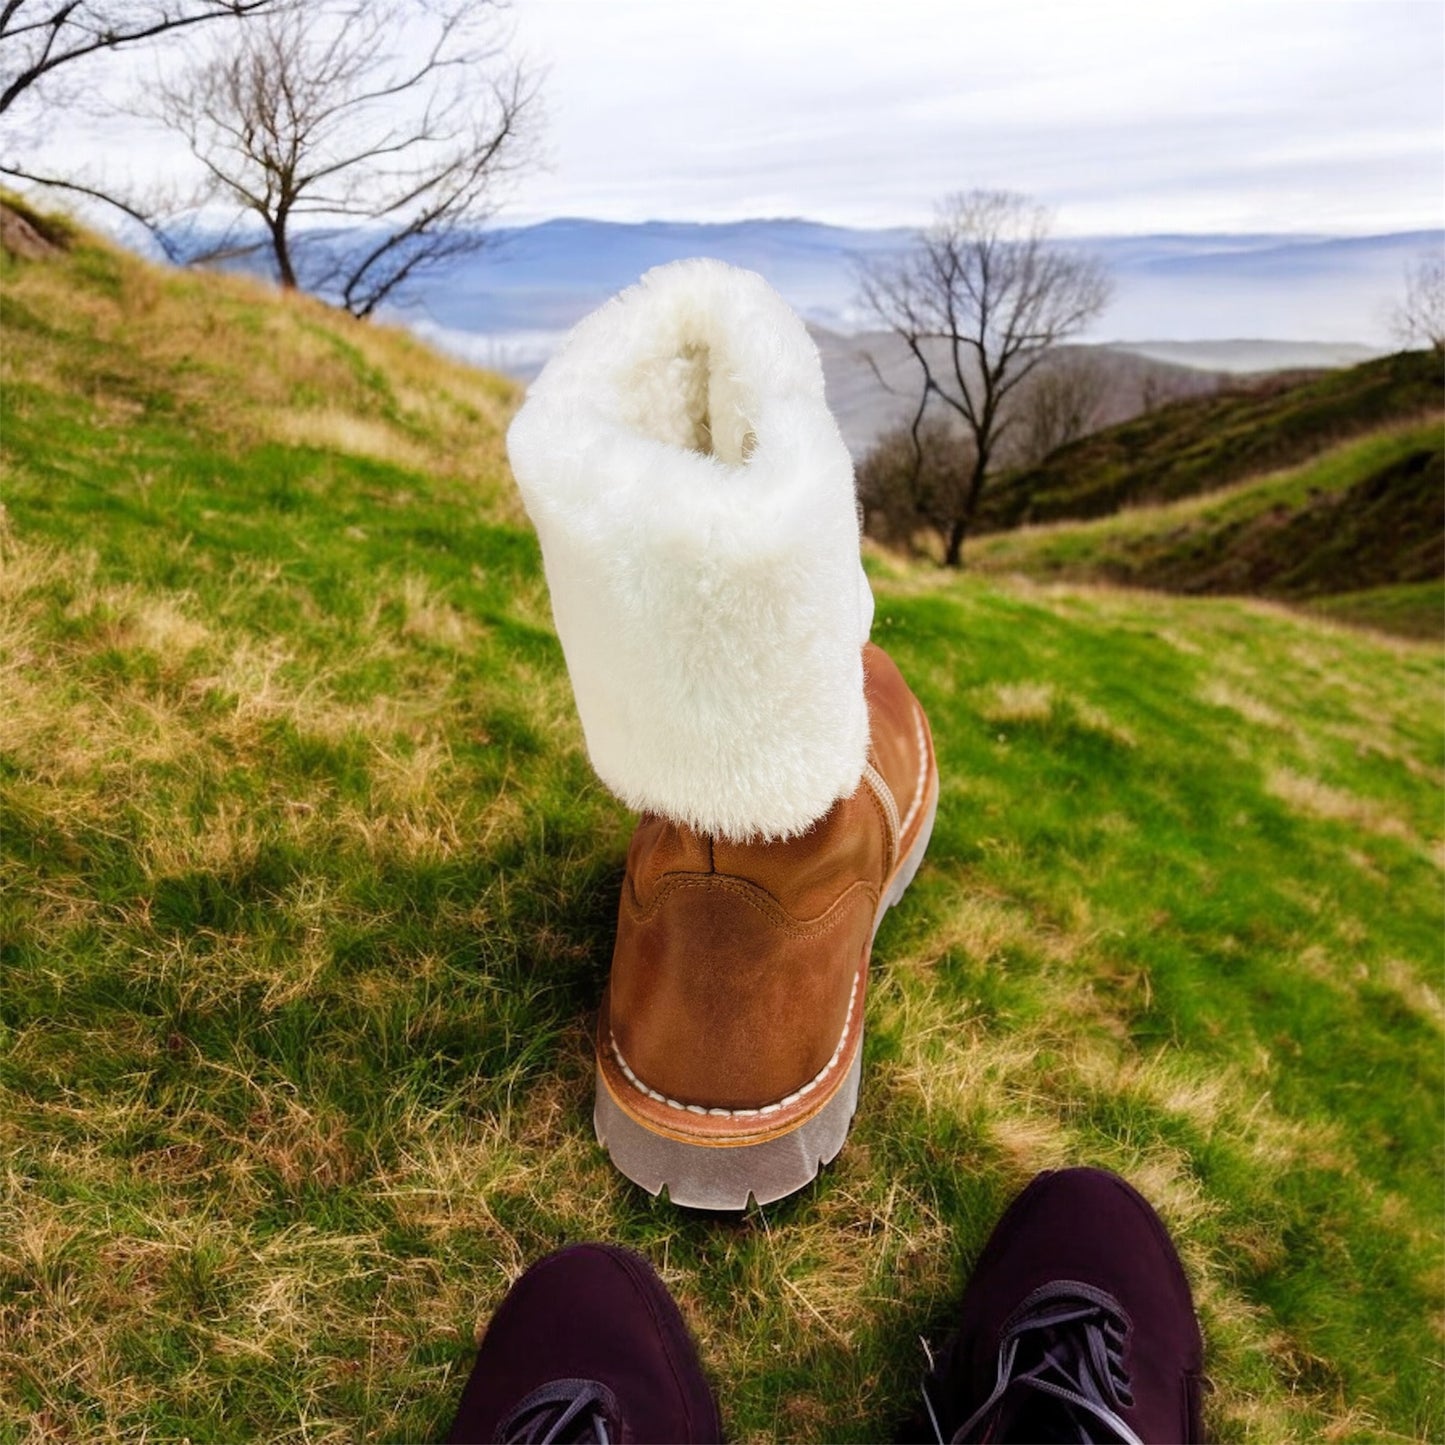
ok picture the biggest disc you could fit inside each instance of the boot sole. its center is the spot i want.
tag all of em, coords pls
(767, 1166)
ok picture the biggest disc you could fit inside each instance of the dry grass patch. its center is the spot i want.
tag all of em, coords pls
(1320, 800)
(431, 617)
(1220, 693)
(163, 626)
(955, 1068)
(1374, 741)
(818, 1289)
(1018, 702)
(981, 926)
(1029, 1141)
(1041, 702)
(1403, 979)
(343, 431)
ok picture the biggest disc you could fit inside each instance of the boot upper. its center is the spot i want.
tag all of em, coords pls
(738, 966)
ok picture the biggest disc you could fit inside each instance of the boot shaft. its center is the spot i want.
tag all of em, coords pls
(695, 506)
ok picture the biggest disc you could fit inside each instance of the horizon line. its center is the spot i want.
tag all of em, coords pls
(1311, 233)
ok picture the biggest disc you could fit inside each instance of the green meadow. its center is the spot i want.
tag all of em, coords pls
(307, 890)
(1357, 532)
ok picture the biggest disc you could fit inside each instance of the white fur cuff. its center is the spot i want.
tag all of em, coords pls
(696, 511)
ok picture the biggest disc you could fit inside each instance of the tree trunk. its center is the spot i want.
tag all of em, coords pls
(281, 248)
(953, 552)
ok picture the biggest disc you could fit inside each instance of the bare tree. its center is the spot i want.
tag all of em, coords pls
(914, 481)
(1061, 403)
(38, 37)
(365, 161)
(1420, 318)
(979, 301)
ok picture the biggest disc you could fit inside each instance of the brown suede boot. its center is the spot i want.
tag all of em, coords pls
(699, 527)
(730, 1037)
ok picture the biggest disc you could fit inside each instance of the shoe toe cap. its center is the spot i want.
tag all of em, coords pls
(592, 1312)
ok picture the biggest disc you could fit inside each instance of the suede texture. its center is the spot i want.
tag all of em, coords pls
(735, 964)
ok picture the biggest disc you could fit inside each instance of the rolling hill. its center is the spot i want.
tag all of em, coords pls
(1323, 491)
(1199, 444)
(307, 895)
(1360, 530)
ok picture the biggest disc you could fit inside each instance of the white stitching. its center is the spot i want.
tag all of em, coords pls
(917, 802)
(889, 804)
(783, 1103)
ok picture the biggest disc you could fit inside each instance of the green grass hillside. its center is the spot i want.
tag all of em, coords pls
(1203, 443)
(1360, 529)
(306, 895)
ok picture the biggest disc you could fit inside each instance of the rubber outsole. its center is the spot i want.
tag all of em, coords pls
(724, 1176)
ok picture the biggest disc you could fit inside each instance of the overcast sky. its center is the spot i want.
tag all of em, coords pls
(1190, 115)
(1151, 116)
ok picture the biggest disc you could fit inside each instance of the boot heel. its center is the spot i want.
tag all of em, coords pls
(725, 1175)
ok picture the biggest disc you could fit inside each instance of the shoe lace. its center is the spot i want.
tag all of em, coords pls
(1066, 1340)
(574, 1411)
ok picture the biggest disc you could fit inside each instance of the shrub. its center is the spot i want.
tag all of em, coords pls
(907, 489)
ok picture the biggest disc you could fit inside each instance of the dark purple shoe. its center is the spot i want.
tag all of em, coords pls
(1077, 1325)
(587, 1345)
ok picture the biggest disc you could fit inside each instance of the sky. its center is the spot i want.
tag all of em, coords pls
(1175, 115)
(1324, 116)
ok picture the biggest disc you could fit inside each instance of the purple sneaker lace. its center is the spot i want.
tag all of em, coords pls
(574, 1411)
(1066, 1341)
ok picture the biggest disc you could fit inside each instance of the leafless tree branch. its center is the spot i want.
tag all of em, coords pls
(148, 220)
(38, 37)
(1419, 319)
(980, 300)
(312, 116)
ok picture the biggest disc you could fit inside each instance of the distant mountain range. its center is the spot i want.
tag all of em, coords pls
(507, 306)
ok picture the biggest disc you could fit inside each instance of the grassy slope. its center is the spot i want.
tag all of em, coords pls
(1366, 519)
(1203, 443)
(306, 904)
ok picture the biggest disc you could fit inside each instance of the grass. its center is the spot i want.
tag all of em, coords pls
(1364, 519)
(307, 898)
(1200, 444)
(1409, 610)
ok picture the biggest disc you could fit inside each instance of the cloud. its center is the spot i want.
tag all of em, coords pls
(865, 114)
(1211, 115)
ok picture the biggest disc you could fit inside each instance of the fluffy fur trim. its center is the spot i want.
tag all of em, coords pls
(695, 506)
